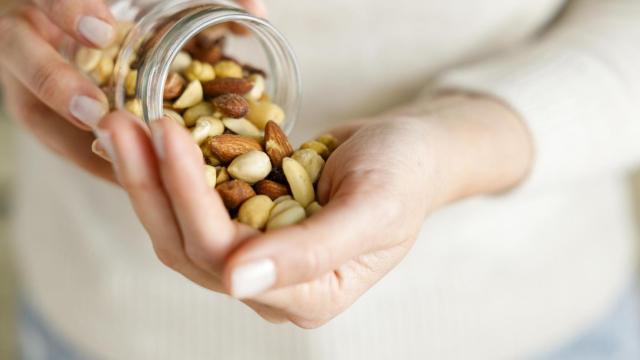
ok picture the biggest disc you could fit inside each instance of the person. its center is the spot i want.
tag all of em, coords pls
(481, 184)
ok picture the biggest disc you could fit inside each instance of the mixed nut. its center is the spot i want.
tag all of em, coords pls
(250, 162)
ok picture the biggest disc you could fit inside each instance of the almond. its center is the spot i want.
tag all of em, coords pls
(277, 145)
(231, 105)
(174, 86)
(209, 55)
(272, 189)
(234, 193)
(227, 147)
(223, 86)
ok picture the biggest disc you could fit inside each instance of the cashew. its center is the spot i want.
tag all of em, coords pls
(242, 127)
(311, 161)
(250, 167)
(206, 126)
(299, 181)
(197, 111)
(181, 62)
(255, 211)
(258, 87)
(191, 96)
(174, 116)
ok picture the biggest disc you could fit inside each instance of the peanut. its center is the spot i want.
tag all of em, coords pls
(197, 111)
(311, 161)
(228, 69)
(260, 112)
(255, 211)
(206, 127)
(200, 71)
(250, 167)
(288, 217)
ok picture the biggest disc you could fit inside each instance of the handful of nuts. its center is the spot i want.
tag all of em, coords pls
(249, 160)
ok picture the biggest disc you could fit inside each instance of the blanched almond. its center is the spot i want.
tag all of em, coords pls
(299, 181)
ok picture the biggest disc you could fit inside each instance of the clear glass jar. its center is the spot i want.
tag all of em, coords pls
(159, 31)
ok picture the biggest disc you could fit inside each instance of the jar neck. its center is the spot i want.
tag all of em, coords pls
(187, 19)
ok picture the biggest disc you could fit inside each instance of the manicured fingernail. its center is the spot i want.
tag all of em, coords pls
(99, 32)
(106, 143)
(97, 149)
(157, 136)
(87, 110)
(252, 279)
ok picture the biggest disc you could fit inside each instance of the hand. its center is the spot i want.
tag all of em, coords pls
(45, 93)
(378, 186)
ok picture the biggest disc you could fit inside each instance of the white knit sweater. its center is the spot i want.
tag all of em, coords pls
(490, 278)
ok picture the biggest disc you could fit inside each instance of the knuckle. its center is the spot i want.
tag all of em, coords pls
(45, 80)
(137, 185)
(169, 259)
(317, 259)
(200, 253)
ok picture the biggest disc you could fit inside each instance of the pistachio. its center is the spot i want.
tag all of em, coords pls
(206, 127)
(260, 112)
(255, 211)
(311, 161)
(299, 181)
(242, 127)
(87, 59)
(313, 209)
(191, 96)
(288, 217)
(200, 71)
(197, 111)
(210, 176)
(250, 167)
(318, 147)
(228, 69)
(181, 62)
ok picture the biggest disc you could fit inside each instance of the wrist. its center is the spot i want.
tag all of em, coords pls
(481, 146)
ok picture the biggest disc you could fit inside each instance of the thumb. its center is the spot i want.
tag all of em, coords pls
(303, 252)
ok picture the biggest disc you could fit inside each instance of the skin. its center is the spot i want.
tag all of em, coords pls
(387, 176)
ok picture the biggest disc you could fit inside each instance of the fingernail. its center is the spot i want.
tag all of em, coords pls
(87, 110)
(99, 32)
(157, 136)
(252, 279)
(106, 143)
(97, 149)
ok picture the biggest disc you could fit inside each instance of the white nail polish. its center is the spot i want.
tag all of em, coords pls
(106, 143)
(253, 278)
(157, 137)
(87, 110)
(98, 32)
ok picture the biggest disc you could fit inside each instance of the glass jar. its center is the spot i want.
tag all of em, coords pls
(158, 31)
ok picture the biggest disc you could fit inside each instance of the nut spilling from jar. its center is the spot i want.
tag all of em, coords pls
(262, 180)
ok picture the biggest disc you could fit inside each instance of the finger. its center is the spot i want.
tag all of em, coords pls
(255, 7)
(47, 75)
(207, 229)
(53, 131)
(303, 252)
(88, 21)
(131, 152)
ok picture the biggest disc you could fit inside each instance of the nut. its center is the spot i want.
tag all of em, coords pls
(318, 147)
(329, 141)
(173, 86)
(272, 189)
(181, 62)
(223, 175)
(260, 112)
(242, 127)
(250, 167)
(313, 209)
(200, 71)
(102, 73)
(191, 96)
(223, 86)
(195, 112)
(234, 193)
(299, 181)
(228, 69)
(282, 198)
(206, 127)
(130, 82)
(122, 30)
(311, 161)
(134, 106)
(111, 52)
(227, 147)
(210, 55)
(174, 116)
(276, 143)
(255, 211)
(87, 59)
(210, 176)
(258, 86)
(231, 105)
(282, 206)
(288, 217)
